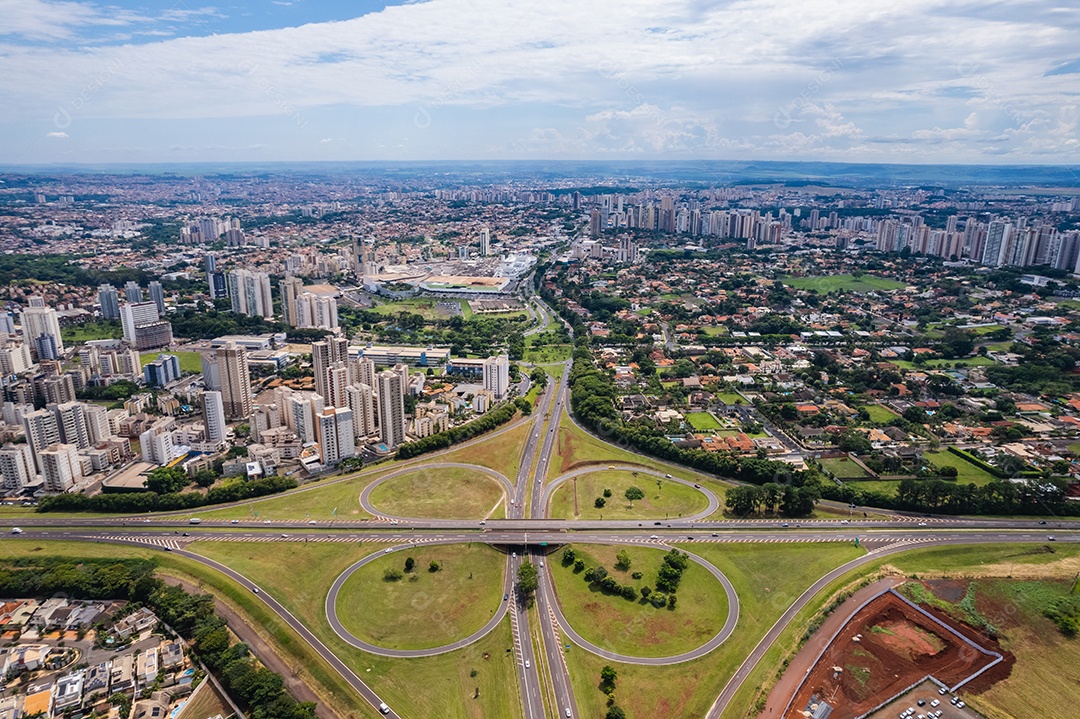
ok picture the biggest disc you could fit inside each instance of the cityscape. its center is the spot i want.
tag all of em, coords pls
(715, 365)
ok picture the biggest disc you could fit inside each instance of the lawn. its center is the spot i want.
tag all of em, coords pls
(846, 283)
(637, 628)
(204, 702)
(968, 472)
(880, 414)
(432, 686)
(73, 334)
(423, 306)
(715, 331)
(451, 493)
(767, 579)
(671, 499)
(548, 354)
(888, 488)
(844, 468)
(424, 609)
(731, 399)
(189, 361)
(702, 421)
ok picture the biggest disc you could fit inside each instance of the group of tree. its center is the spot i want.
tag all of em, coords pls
(772, 498)
(255, 688)
(461, 433)
(528, 580)
(139, 502)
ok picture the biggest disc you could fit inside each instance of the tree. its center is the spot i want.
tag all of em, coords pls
(633, 493)
(608, 677)
(671, 601)
(409, 564)
(528, 579)
(434, 566)
(645, 592)
(568, 556)
(392, 575)
(615, 712)
(166, 480)
(956, 343)
(599, 503)
(622, 560)
(205, 477)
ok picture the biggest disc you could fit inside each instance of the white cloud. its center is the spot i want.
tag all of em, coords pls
(632, 76)
(57, 135)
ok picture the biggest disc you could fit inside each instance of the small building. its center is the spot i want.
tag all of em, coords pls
(68, 691)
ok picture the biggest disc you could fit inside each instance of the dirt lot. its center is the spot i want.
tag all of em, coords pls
(888, 646)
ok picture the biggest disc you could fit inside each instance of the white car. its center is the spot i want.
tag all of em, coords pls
(16, 530)
(527, 665)
(568, 712)
(654, 536)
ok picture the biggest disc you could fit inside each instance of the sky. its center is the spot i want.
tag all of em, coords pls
(914, 81)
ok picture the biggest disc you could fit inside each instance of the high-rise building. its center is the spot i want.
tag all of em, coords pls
(71, 421)
(16, 466)
(250, 293)
(110, 302)
(391, 408)
(302, 408)
(337, 381)
(97, 423)
(132, 291)
(38, 322)
(361, 400)
(157, 296)
(60, 467)
(211, 371)
(997, 245)
(213, 410)
(315, 311)
(210, 262)
(291, 289)
(157, 446)
(15, 358)
(162, 371)
(336, 440)
(485, 242)
(235, 382)
(41, 431)
(324, 355)
(363, 370)
(58, 389)
(219, 285)
(497, 375)
(135, 314)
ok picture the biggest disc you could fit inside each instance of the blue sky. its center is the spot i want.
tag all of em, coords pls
(913, 81)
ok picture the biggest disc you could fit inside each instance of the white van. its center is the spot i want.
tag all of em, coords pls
(194, 520)
(383, 708)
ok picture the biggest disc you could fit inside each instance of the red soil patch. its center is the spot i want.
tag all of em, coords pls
(905, 646)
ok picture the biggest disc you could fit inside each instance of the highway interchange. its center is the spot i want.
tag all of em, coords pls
(528, 535)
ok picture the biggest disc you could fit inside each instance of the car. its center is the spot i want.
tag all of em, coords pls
(653, 536)
(954, 700)
(482, 523)
(383, 708)
(611, 466)
(715, 534)
(513, 555)
(283, 536)
(783, 524)
(935, 702)
(943, 691)
(505, 597)
(312, 521)
(844, 521)
(235, 521)
(266, 521)
(667, 476)
(922, 524)
(393, 521)
(146, 521)
(1050, 538)
(921, 702)
(541, 563)
(960, 704)
(689, 538)
(1042, 521)
(388, 550)
(568, 712)
(16, 530)
(527, 664)
(194, 520)
(255, 589)
(697, 486)
(186, 534)
(656, 524)
(168, 549)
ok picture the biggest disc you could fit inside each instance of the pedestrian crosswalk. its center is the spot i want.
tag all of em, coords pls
(740, 539)
(173, 543)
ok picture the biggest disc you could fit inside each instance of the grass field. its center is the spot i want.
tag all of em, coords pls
(548, 354)
(189, 361)
(844, 468)
(315, 503)
(880, 414)
(501, 452)
(452, 493)
(888, 488)
(847, 283)
(702, 421)
(977, 361)
(767, 579)
(636, 627)
(968, 472)
(669, 500)
(424, 609)
(432, 686)
(426, 307)
(73, 334)
(731, 399)
(715, 331)
(204, 702)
